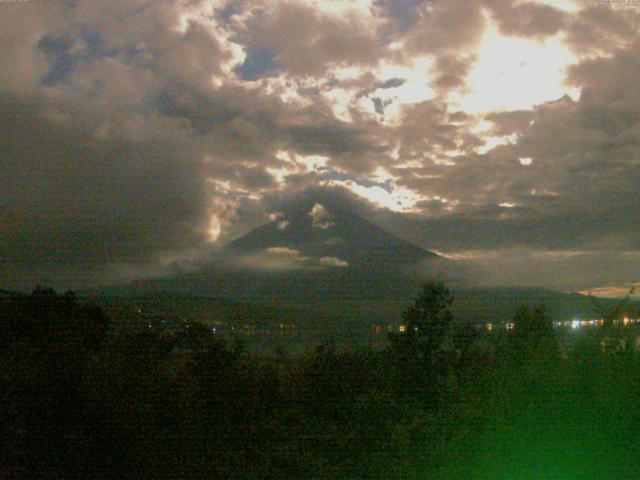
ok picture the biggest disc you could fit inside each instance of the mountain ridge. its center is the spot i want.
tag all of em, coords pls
(320, 232)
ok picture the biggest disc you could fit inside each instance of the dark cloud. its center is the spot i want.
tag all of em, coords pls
(328, 139)
(71, 201)
(446, 26)
(428, 130)
(506, 123)
(527, 19)
(305, 41)
(600, 28)
(259, 63)
(391, 83)
(452, 71)
(402, 11)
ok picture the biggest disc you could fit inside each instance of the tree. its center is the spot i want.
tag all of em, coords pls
(47, 342)
(608, 314)
(426, 323)
(533, 335)
(52, 323)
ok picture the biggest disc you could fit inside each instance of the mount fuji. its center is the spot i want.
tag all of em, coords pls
(334, 237)
(334, 266)
(307, 253)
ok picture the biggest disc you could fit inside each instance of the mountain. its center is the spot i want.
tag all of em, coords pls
(333, 267)
(500, 304)
(317, 232)
(307, 254)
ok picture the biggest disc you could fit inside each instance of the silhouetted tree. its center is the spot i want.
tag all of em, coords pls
(533, 336)
(420, 347)
(46, 342)
(611, 338)
(427, 321)
(608, 314)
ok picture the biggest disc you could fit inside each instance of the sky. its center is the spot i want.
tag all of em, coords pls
(137, 135)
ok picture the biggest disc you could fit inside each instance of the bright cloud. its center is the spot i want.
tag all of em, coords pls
(320, 217)
(514, 73)
(333, 262)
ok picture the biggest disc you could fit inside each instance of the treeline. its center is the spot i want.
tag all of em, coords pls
(84, 398)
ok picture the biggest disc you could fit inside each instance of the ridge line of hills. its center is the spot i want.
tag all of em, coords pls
(331, 266)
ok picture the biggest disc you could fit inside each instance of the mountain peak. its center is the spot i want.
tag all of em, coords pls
(315, 252)
(317, 231)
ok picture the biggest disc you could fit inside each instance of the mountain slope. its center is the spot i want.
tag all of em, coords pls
(319, 232)
(305, 255)
(334, 267)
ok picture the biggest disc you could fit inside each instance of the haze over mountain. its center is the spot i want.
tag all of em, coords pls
(337, 269)
(311, 253)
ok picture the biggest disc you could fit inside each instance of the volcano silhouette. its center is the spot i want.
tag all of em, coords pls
(309, 253)
(344, 237)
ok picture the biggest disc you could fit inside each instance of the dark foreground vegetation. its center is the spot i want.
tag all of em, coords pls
(84, 398)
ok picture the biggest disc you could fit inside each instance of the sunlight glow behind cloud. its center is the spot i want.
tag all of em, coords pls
(415, 88)
(515, 73)
(565, 5)
(399, 199)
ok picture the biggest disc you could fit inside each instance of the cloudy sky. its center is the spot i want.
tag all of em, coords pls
(137, 134)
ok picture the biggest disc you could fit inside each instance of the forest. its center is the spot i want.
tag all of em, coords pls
(85, 397)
